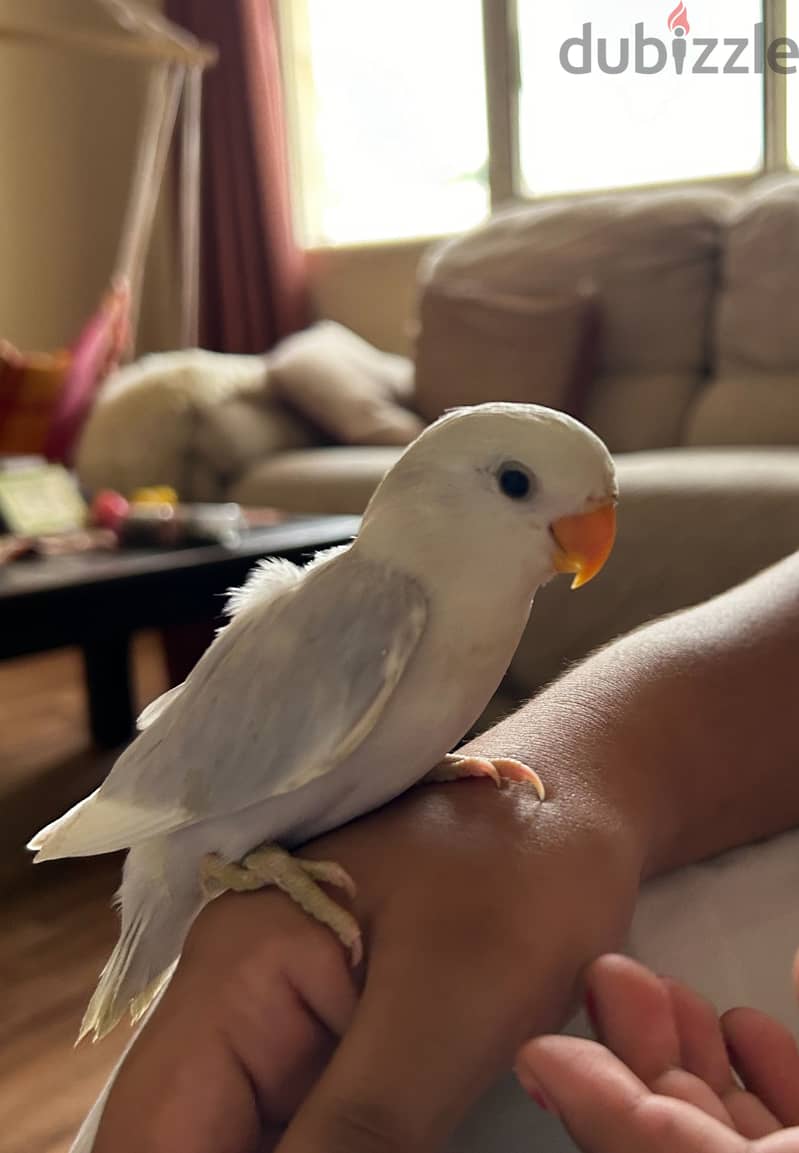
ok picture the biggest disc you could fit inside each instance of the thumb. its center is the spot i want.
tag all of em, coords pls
(605, 1107)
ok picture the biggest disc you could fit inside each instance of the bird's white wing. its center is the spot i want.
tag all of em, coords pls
(284, 694)
(155, 708)
(267, 579)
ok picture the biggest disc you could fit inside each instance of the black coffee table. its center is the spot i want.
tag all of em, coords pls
(98, 600)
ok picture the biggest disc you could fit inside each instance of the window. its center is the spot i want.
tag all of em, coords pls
(415, 119)
(598, 128)
(389, 116)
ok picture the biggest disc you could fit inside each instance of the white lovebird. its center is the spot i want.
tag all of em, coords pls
(337, 686)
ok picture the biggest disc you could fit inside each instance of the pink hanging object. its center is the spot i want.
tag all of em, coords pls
(95, 354)
(46, 397)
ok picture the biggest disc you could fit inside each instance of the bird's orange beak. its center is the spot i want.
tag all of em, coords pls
(584, 543)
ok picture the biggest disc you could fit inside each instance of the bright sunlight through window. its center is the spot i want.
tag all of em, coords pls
(388, 114)
(584, 128)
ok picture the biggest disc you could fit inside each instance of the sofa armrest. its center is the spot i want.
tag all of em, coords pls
(692, 523)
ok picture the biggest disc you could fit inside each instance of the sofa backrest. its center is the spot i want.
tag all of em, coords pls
(654, 259)
(696, 294)
(753, 396)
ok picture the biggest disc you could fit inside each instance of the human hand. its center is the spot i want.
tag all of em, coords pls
(480, 909)
(673, 1077)
(251, 1016)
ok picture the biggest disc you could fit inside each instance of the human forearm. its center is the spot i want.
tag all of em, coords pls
(482, 909)
(685, 727)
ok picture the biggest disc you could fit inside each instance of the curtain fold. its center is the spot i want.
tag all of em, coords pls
(253, 287)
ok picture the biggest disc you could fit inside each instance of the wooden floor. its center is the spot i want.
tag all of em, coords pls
(56, 923)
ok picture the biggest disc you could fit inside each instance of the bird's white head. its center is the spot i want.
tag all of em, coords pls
(532, 484)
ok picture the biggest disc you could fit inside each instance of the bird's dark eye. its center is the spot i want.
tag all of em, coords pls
(515, 481)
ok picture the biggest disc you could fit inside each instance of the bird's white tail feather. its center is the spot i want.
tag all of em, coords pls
(152, 936)
(35, 844)
(100, 824)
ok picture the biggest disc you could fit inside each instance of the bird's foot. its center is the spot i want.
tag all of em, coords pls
(298, 878)
(498, 769)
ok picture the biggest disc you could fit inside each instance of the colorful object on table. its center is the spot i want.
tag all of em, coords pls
(162, 525)
(41, 500)
(158, 494)
(154, 518)
(109, 509)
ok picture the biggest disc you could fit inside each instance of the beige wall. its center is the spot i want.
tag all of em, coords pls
(68, 126)
(371, 290)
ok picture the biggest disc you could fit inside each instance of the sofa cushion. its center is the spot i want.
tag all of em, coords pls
(345, 387)
(230, 437)
(754, 408)
(639, 411)
(691, 524)
(757, 323)
(477, 345)
(653, 257)
(321, 480)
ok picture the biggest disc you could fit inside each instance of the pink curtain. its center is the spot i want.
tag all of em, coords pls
(253, 275)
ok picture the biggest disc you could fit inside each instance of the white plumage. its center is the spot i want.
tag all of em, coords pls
(337, 686)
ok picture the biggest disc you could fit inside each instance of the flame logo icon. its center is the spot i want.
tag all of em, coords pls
(678, 20)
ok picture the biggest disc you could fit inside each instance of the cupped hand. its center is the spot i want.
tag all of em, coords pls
(670, 1076)
(480, 910)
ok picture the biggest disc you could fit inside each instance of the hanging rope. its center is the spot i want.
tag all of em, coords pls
(149, 22)
(163, 98)
(190, 184)
(180, 60)
(152, 24)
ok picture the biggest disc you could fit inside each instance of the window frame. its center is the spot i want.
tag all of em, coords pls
(775, 103)
(502, 90)
(503, 84)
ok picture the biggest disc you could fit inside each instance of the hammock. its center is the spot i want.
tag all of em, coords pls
(45, 397)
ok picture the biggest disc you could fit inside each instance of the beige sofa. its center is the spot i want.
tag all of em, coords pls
(693, 383)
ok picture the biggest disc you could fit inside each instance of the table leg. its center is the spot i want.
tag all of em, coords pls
(106, 661)
(184, 645)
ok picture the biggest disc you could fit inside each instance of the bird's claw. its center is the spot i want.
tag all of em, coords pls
(328, 873)
(512, 770)
(498, 769)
